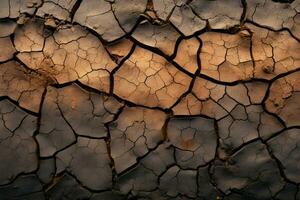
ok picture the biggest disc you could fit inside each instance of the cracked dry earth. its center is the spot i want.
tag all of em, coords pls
(149, 99)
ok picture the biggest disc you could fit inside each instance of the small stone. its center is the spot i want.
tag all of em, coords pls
(268, 69)
(50, 22)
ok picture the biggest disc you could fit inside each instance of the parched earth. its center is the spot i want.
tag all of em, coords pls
(150, 99)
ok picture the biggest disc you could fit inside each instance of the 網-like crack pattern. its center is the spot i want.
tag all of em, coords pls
(149, 99)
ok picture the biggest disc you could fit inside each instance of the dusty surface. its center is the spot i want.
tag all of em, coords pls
(149, 99)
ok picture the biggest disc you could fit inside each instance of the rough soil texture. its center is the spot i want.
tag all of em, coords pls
(149, 99)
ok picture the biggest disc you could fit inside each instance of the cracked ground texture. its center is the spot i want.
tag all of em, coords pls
(149, 99)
